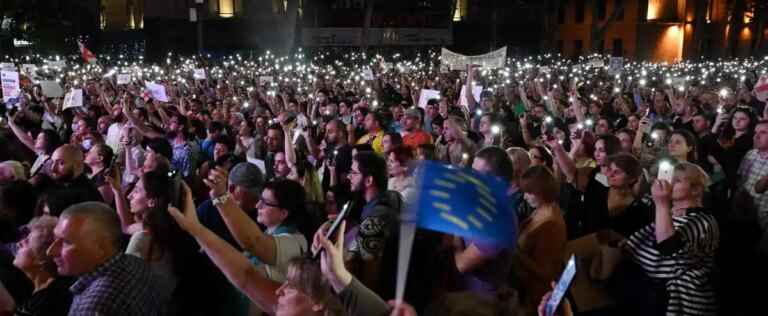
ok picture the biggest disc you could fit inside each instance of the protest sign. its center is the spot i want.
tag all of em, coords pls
(596, 62)
(368, 73)
(456, 61)
(266, 80)
(426, 95)
(73, 99)
(476, 91)
(616, 66)
(28, 69)
(7, 66)
(56, 64)
(157, 91)
(10, 85)
(199, 74)
(123, 79)
(51, 89)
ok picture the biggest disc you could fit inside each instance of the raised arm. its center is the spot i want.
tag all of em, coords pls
(241, 272)
(23, 137)
(471, 102)
(246, 232)
(143, 129)
(563, 160)
(662, 192)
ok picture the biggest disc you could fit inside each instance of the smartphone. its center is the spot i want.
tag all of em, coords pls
(561, 287)
(666, 171)
(335, 225)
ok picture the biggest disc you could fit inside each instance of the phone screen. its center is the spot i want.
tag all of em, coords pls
(666, 171)
(561, 287)
(336, 223)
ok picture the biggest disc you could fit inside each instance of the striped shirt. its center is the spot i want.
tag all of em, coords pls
(685, 268)
(753, 168)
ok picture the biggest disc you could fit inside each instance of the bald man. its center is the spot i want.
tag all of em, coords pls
(87, 245)
(67, 172)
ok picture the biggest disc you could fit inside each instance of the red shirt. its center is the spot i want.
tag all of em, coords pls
(414, 139)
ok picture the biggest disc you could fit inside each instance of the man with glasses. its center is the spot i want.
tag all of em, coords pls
(375, 235)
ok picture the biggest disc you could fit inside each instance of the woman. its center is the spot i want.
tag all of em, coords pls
(400, 177)
(677, 250)
(51, 295)
(99, 160)
(390, 141)
(304, 291)
(603, 189)
(540, 156)
(281, 209)
(734, 139)
(245, 139)
(541, 242)
(43, 145)
(154, 235)
(486, 129)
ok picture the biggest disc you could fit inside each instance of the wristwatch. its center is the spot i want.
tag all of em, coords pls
(218, 201)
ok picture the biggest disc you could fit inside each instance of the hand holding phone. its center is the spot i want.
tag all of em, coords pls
(562, 285)
(334, 226)
(666, 171)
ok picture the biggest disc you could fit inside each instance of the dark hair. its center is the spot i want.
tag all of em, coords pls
(749, 113)
(429, 150)
(215, 126)
(17, 203)
(539, 181)
(290, 196)
(498, 160)
(362, 147)
(371, 164)
(438, 120)
(340, 126)
(52, 141)
(106, 153)
(224, 140)
(611, 143)
(546, 155)
(690, 140)
(627, 163)
(161, 146)
(403, 154)
(396, 138)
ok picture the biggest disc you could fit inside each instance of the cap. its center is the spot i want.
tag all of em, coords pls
(247, 176)
(413, 112)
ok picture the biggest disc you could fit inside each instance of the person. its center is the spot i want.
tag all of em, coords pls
(378, 222)
(99, 160)
(400, 173)
(51, 295)
(281, 209)
(390, 141)
(753, 177)
(305, 291)
(11, 170)
(335, 152)
(374, 123)
(413, 134)
(677, 250)
(133, 155)
(244, 138)
(87, 246)
(458, 148)
(68, 171)
(541, 242)
(43, 145)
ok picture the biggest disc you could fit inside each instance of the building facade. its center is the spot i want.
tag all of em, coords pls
(660, 30)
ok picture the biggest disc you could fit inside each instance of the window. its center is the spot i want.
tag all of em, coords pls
(461, 11)
(225, 8)
(601, 6)
(561, 12)
(578, 47)
(579, 10)
(619, 5)
(618, 48)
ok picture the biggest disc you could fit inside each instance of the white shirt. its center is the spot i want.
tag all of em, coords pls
(113, 136)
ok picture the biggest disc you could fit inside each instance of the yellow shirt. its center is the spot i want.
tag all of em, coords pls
(374, 140)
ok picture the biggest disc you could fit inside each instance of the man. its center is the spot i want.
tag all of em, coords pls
(374, 123)
(413, 135)
(336, 152)
(184, 155)
(68, 172)
(87, 245)
(268, 148)
(281, 168)
(214, 130)
(378, 221)
(397, 114)
(753, 174)
(432, 112)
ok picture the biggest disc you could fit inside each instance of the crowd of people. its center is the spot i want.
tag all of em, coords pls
(217, 202)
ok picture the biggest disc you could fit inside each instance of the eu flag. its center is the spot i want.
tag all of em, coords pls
(465, 203)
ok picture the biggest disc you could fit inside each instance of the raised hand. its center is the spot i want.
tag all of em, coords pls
(217, 182)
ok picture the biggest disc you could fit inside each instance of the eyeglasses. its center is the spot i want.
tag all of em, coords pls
(262, 201)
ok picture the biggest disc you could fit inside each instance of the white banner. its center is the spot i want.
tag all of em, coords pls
(597, 62)
(157, 91)
(73, 99)
(7, 66)
(456, 61)
(123, 78)
(351, 36)
(199, 74)
(368, 73)
(616, 66)
(426, 95)
(56, 64)
(28, 69)
(10, 84)
(265, 79)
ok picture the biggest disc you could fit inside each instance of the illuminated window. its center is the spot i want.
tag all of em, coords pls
(461, 10)
(654, 9)
(225, 8)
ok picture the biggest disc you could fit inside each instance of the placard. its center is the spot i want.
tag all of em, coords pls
(157, 91)
(426, 95)
(266, 79)
(123, 79)
(10, 85)
(456, 61)
(616, 66)
(368, 73)
(7, 66)
(28, 69)
(51, 89)
(199, 74)
(476, 91)
(73, 99)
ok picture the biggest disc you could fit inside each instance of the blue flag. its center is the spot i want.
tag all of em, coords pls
(465, 203)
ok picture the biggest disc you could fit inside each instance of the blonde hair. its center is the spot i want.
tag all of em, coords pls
(16, 167)
(694, 174)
